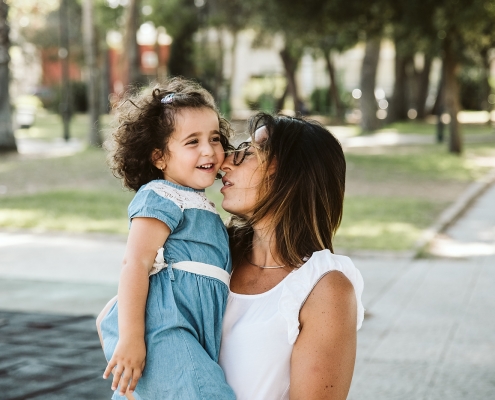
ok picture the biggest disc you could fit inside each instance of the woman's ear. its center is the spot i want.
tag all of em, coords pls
(158, 159)
(273, 166)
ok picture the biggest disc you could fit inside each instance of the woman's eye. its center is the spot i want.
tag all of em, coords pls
(215, 139)
(248, 153)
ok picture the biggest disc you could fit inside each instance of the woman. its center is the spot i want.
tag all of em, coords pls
(294, 307)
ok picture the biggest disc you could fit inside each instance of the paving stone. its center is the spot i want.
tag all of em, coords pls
(93, 389)
(41, 354)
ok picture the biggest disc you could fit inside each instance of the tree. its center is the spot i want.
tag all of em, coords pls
(91, 53)
(181, 18)
(132, 58)
(461, 25)
(7, 139)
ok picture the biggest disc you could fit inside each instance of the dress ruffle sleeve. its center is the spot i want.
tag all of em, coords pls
(299, 284)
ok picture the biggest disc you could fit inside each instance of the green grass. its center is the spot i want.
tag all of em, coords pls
(379, 223)
(425, 162)
(64, 210)
(79, 194)
(48, 126)
(429, 128)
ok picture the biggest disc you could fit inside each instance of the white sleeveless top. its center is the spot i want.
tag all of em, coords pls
(259, 331)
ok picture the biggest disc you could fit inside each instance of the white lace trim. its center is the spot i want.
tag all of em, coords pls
(299, 284)
(183, 198)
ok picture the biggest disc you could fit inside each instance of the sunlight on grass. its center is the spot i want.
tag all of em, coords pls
(48, 126)
(381, 223)
(75, 211)
(429, 128)
(433, 163)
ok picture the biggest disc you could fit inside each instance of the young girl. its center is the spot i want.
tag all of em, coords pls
(162, 337)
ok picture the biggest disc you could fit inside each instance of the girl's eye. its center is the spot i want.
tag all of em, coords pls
(195, 141)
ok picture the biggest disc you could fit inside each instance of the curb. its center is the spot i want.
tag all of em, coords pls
(452, 213)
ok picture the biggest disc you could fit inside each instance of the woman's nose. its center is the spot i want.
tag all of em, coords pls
(227, 163)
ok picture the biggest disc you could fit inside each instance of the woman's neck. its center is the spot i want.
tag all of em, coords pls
(264, 251)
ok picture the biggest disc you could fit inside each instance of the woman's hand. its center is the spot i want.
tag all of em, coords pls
(128, 360)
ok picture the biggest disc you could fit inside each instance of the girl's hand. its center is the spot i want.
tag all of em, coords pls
(128, 360)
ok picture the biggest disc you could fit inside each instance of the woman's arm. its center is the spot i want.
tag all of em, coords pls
(323, 357)
(146, 236)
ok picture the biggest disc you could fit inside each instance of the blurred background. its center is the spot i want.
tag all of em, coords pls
(408, 87)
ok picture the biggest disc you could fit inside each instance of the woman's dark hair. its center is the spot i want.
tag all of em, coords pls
(145, 121)
(302, 196)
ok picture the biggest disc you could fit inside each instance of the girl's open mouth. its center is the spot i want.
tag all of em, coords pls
(206, 167)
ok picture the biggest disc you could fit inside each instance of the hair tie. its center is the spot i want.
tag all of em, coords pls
(168, 98)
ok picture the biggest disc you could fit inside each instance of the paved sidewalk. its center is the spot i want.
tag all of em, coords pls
(428, 332)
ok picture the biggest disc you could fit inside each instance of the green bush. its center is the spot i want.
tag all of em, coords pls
(78, 100)
(320, 101)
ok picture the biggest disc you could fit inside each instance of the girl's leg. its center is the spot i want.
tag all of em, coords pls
(102, 315)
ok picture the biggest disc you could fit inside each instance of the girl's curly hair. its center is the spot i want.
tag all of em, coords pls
(144, 123)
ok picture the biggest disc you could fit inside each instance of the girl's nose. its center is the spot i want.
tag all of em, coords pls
(207, 150)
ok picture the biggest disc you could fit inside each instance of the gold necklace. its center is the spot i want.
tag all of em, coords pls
(264, 266)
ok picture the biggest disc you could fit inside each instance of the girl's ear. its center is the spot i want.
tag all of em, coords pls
(158, 159)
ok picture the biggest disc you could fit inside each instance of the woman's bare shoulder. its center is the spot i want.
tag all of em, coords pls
(332, 296)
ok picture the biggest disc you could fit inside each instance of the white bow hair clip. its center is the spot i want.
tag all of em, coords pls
(168, 98)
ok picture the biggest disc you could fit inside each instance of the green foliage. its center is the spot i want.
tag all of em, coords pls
(78, 97)
(320, 101)
(471, 80)
(262, 92)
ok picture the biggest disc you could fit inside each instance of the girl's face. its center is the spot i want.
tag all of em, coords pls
(195, 152)
(242, 182)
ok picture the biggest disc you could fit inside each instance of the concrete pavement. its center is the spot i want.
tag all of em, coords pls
(429, 335)
(428, 332)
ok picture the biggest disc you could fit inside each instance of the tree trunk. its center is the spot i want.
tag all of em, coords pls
(423, 85)
(233, 66)
(333, 88)
(105, 89)
(90, 53)
(486, 89)
(181, 53)
(281, 101)
(397, 110)
(452, 97)
(290, 66)
(7, 139)
(65, 106)
(132, 48)
(369, 121)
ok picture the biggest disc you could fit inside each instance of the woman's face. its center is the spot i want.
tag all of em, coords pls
(242, 182)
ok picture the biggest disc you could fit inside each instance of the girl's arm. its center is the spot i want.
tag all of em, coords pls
(323, 357)
(146, 236)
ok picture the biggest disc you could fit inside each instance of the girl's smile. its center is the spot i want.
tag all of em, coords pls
(195, 151)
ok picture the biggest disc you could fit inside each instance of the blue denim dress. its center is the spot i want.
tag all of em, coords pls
(184, 310)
